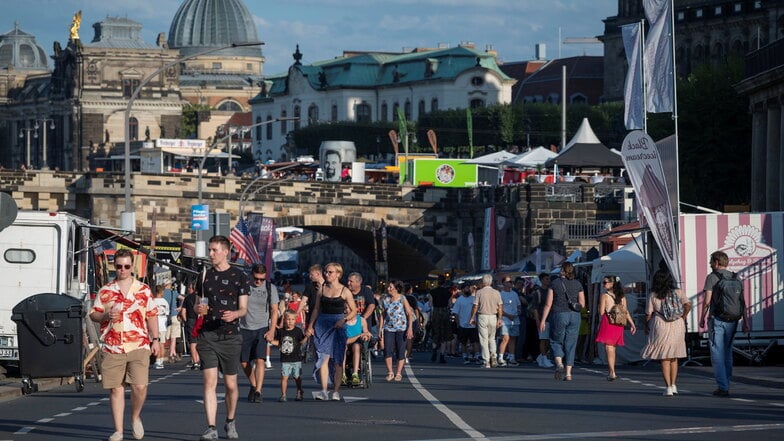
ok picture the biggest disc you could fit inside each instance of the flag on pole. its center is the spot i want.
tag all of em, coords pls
(243, 242)
(402, 127)
(470, 127)
(658, 60)
(634, 111)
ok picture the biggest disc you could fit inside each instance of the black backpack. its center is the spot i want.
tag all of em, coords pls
(727, 298)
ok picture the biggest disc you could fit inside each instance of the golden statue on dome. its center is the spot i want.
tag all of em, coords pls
(75, 24)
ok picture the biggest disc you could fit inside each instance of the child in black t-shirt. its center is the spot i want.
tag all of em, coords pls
(289, 341)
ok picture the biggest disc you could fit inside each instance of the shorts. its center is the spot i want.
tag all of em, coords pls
(121, 369)
(220, 350)
(174, 329)
(470, 335)
(254, 346)
(545, 335)
(292, 369)
(512, 330)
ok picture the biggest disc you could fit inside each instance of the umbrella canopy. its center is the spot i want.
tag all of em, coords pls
(585, 150)
(531, 158)
(492, 159)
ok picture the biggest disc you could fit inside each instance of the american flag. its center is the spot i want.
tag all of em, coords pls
(243, 242)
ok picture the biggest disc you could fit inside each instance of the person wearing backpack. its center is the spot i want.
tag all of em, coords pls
(723, 306)
(665, 317)
(615, 316)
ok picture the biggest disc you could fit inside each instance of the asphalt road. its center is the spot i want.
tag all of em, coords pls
(434, 402)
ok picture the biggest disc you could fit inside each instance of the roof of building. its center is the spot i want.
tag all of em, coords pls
(585, 74)
(380, 69)
(19, 50)
(119, 33)
(204, 24)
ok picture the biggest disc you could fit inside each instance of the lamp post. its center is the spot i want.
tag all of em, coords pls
(128, 217)
(43, 121)
(27, 131)
(200, 240)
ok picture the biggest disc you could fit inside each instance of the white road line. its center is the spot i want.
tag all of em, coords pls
(94, 403)
(77, 409)
(630, 433)
(61, 415)
(777, 404)
(452, 416)
(24, 430)
(45, 420)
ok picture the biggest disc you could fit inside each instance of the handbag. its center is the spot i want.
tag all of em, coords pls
(574, 306)
(200, 319)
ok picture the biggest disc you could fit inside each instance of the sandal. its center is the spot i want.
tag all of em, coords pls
(398, 377)
(567, 378)
(299, 395)
(390, 376)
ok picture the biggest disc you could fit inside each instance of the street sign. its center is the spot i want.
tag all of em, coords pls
(200, 215)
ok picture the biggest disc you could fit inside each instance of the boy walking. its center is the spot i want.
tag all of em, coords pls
(289, 341)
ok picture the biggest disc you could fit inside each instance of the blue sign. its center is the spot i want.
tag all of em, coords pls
(200, 215)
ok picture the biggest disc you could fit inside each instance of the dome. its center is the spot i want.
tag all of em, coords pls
(19, 50)
(202, 24)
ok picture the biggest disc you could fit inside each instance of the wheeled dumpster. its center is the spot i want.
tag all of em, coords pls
(49, 331)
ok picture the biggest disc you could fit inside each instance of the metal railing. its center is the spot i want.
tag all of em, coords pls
(589, 229)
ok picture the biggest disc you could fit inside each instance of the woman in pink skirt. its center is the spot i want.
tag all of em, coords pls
(612, 335)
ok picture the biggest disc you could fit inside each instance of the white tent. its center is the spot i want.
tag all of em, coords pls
(626, 262)
(584, 135)
(539, 260)
(531, 158)
(495, 158)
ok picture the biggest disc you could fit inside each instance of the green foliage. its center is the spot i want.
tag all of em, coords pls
(368, 138)
(190, 121)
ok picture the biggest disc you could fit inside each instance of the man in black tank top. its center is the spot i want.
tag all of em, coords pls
(441, 327)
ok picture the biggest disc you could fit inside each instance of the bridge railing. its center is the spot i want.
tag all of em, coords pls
(583, 230)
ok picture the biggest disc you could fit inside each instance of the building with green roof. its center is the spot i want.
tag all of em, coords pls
(371, 86)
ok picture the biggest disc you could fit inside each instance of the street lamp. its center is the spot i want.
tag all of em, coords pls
(27, 131)
(43, 121)
(128, 217)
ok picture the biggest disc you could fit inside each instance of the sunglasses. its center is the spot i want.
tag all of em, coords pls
(125, 267)
(259, 279)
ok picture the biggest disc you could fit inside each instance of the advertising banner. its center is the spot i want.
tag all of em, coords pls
(643, 163)
(488, 242)
(200, 217)
(444, 173)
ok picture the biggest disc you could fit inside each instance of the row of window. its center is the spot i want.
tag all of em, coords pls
(718, 10)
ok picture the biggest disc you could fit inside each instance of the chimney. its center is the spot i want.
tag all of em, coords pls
(541, 51)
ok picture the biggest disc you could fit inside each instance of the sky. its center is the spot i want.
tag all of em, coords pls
(325, 28)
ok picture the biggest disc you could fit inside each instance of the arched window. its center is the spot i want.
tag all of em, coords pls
(334, 113)
(407, 110)
(258, 129)
(269, 127)
(283, 128)
(133, 128)
(395, 106)
(313, 114)
(421, 110)
(298, 115)
(363, 113)
(434, 104)
(384, 112)
(477, 103)
(230, 106)
(578, 98)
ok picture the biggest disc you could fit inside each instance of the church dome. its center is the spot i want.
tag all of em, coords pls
(201, 24)
(19, 50)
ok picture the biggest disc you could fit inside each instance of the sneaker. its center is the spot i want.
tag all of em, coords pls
(674, 389)
(138, 429)
(282, 399)
(251, 395)
(559, 372)
(721, 393)
(513, 362)
(335, 396)
(195, 366)
(668, 391)
(116, 436)
(355, 379)
(158, 365)
(493, 361)
(321, 396)
(546, 363)
(231, 430)
(257, 398)
(268, 364)
(210, 434)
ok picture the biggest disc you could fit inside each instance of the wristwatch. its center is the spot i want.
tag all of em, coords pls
(156, 339)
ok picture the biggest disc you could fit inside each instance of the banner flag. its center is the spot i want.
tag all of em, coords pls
(470, 127)
(634, 110)
(402, 127)
(488, 242)
(243, 242)
(658, 60)
(643, 164)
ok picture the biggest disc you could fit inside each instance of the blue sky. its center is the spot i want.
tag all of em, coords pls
(325, 28)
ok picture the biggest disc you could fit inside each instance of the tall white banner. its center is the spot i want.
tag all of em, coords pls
(643, 164)
(660, 86)
(634, 110)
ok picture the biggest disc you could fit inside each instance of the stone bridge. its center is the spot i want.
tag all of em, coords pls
(427, 227)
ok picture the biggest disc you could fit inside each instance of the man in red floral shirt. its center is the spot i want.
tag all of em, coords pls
(129, 334)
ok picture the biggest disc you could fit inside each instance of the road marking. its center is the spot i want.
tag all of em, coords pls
(24, 430)
(61, 415)
(629, 433)
(777, 404)
(76, 409)
(94, 403)
(451, 415)
(45, 420)
(352, 399)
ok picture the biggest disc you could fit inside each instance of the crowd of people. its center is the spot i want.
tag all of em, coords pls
(231, 320)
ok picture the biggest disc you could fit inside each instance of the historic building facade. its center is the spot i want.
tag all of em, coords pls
(705, 31)
(372, 86)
